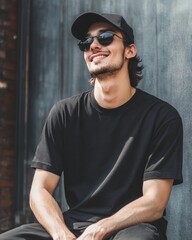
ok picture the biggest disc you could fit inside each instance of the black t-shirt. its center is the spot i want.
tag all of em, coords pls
(106, 154)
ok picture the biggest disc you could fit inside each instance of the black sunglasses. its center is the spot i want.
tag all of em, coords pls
(105, 39)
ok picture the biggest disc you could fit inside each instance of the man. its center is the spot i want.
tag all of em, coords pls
(120, 148)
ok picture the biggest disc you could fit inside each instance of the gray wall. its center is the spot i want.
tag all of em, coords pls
(163, 33)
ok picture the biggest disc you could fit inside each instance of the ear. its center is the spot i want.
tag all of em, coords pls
(130, 51)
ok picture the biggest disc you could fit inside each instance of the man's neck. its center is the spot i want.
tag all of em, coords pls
(112, 92)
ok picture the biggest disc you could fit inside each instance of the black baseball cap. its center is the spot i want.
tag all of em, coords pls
(83, 22)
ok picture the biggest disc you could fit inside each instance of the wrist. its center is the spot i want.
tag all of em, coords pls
(64, 235)
(108, 226)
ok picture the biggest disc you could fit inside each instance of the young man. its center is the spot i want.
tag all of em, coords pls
(120, 148)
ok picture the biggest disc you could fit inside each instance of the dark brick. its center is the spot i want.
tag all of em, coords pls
(2, 54)
(8, 83)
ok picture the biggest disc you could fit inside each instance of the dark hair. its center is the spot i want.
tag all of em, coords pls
(135, 66)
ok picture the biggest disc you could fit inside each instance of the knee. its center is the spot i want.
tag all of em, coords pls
(138, 232)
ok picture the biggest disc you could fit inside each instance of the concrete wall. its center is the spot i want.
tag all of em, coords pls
(163, 33)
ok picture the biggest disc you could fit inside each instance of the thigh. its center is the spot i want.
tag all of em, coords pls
(33, 231)
(143, 231)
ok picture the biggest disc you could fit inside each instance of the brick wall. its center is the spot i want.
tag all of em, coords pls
(8, 81)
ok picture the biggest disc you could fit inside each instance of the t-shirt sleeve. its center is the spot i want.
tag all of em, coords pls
(49, 154)
(166, 152)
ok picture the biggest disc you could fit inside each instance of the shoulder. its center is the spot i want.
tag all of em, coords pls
(70, 104)
(157, 106)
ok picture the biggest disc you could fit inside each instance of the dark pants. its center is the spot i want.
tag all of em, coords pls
(34, 231)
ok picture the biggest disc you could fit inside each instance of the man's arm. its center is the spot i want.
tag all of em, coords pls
(147, 208)
(44, 206)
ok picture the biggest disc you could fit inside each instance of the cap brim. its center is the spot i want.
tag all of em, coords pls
(83, 22)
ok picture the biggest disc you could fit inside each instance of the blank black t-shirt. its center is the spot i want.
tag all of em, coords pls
(106, 154)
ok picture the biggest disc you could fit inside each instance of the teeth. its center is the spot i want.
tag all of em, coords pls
(99, 57)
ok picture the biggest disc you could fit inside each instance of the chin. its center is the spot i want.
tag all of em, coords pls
(103, 72)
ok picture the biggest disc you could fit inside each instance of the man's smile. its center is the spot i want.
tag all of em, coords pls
(98, 56)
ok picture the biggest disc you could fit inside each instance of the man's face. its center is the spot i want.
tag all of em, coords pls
(102, 60)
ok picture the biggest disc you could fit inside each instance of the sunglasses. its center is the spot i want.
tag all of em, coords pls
(105, 39)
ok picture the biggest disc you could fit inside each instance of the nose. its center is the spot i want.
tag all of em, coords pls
(95, 44)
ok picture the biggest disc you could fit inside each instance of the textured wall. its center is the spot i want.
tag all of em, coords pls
(8, 96)
(163, 33)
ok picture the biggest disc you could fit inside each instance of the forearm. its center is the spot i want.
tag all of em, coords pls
(49, 214)
(147, 208)
(133, 213)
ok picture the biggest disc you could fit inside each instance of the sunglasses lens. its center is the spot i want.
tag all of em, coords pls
(85, 45)
(104, 39)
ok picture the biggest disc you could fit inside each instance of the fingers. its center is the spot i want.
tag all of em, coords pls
(93, 232)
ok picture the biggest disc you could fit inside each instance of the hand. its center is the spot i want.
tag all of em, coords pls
(93, 232)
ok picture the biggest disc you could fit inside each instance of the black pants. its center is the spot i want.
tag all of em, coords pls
(34, 231)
